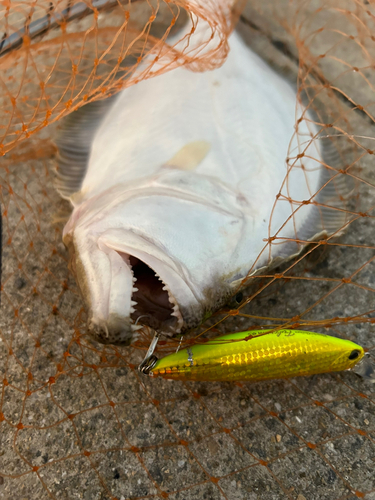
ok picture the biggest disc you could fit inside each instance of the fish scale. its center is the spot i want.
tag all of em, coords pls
(260, 355)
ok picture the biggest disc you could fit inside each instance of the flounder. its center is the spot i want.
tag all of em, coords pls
(180, 186)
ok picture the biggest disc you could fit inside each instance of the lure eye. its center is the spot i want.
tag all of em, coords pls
(354, 354)
(238, 298)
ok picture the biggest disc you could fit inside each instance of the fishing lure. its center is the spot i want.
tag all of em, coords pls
(259, 355)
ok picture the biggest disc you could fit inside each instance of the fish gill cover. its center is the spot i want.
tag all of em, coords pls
(77, 419)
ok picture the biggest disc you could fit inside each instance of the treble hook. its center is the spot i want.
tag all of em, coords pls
(149, 360)
(179, 345)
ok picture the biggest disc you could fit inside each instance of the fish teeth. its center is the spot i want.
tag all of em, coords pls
(135, 328)
(176, 310)
(170, 296)
(106, 331)
(176, 313)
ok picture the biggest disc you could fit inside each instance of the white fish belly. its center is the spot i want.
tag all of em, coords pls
(246, 114)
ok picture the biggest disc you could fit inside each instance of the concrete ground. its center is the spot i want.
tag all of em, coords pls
(78, 421)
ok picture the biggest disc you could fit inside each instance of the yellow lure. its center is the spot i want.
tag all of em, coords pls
(260, 355)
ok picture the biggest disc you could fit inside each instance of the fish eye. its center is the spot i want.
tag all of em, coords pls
(235, 300)
(354, 354)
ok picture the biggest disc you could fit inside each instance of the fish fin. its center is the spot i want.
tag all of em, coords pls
(329, 213)
(189, 156)
(73, 140)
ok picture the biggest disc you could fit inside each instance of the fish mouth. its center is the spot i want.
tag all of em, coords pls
(127, 283)
(152, 302)
(140, 298)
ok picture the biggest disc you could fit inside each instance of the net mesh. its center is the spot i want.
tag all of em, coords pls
(76, 418)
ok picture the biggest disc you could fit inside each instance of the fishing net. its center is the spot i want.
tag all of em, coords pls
(77, 419)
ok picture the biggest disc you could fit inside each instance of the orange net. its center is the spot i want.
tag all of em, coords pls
(77, 419)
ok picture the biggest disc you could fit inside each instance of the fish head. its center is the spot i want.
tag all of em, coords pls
(121, 292)
(159, 261)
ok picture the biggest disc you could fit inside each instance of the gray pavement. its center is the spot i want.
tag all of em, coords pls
(78, 421)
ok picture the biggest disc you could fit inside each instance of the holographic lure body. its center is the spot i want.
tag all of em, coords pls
(260, 355)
